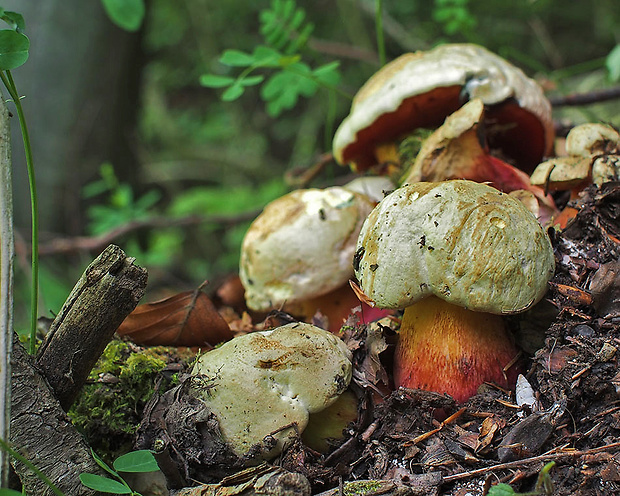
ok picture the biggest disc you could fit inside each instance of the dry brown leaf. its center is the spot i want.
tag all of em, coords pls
(185, 319)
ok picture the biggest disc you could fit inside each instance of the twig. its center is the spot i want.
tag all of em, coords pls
(107, 292)
(60, 246)
(6, 284)
(528, 461)
(576, 99)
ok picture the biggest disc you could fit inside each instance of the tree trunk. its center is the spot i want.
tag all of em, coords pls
(42, 432)
(81, 99)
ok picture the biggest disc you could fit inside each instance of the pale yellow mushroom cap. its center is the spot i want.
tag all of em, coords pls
(260, 383)
(420, 89)
(590, 139)
(462, 241)
(301, 246)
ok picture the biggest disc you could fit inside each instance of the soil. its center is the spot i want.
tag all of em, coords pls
(426, 443)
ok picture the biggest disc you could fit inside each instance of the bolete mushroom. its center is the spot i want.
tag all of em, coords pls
(262, 387)
(458, 150)
(456, 256)
(419, 90)
(593, 157)
(297, 253)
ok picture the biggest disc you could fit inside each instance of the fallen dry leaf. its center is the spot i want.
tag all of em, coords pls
(185, 319)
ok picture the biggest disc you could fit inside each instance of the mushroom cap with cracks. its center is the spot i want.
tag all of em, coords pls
(420, 89)
(259, 384)
(464, 242)
(301, 246)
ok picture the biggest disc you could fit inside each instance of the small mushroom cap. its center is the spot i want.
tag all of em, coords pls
(420, 89)
(301, 246)
(562, 173)
(462, 241)
(590, 139)
(259, 383)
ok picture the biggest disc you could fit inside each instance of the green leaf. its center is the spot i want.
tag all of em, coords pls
(613, 64)
(236, 58)
(266, 56)
(9, 492)
(13, 19)
(251, 81)
(126, 14)
(215, 81)
(282, 90)
(328, 74)
(103, 484)
(501, 490)
(136, 461)
(14, 48)
(233, 92)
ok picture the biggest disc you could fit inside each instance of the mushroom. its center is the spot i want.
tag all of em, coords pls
(458, 150)
(419, 90)
(593, 157)
(297, 253)
(263, 386)
(456, 256)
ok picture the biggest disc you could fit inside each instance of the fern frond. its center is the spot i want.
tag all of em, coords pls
(284, 26)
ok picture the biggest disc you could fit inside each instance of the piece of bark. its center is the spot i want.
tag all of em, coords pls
(42, 432)
(107, 292)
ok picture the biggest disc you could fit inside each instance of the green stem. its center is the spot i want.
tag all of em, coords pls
(379, 29)
(5, 446)
(7, 79)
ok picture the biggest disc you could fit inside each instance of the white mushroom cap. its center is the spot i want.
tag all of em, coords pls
(301, 246)
(261, 382)
(464, 242)
(481, 73)
(590, 139)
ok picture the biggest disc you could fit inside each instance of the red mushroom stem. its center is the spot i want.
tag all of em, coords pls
(449, 349)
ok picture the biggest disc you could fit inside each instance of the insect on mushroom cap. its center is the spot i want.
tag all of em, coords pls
(464, 242)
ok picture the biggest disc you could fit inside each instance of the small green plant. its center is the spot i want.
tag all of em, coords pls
(121, 206)
(134, 461)
(544, 485)
(285, 32)
(14, 50)
(454, 16)
(4, 446)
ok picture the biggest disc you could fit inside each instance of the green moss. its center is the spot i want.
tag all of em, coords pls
(361, 487)
(110, 406)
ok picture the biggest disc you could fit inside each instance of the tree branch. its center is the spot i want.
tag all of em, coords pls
(576, 99)
(107, 292)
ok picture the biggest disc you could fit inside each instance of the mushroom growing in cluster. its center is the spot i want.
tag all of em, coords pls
(297, 253)
(458, 150)
(419, 90)
(456, 256)
(262, 387)
(593, 156)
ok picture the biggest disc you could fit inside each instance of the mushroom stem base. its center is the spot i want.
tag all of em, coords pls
(448, 349)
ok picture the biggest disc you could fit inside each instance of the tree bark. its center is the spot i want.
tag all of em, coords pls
(107, 292)
(42, 432)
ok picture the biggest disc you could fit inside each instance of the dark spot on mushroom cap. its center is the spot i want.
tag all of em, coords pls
(373, 267)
